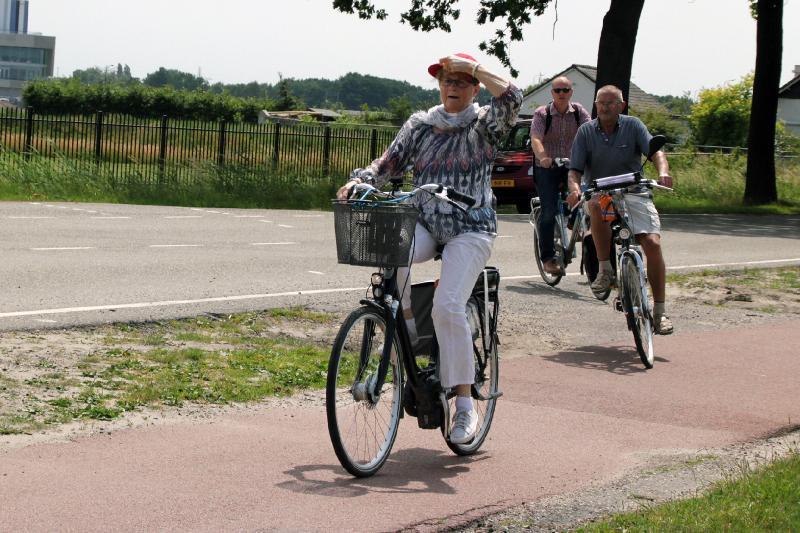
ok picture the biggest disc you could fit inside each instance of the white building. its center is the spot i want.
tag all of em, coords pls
(583, 79)
(789, 103)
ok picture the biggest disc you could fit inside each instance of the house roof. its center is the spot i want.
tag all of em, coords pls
(791, 89)
(636, 96)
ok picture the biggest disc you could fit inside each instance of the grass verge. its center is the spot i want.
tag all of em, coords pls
(766, 499)
(205, 360)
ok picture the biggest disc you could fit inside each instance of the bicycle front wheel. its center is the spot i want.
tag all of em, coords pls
(636, 306)
(487, 376)
(363, 427)
(550, 279)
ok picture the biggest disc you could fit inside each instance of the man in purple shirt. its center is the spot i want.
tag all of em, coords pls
(552, 131)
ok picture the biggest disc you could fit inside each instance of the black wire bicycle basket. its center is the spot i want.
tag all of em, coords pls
(375, 234)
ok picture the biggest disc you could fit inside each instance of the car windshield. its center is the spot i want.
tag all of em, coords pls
(518, 139)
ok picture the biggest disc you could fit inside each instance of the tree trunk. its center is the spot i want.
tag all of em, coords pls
(617, 42)
(760, 186)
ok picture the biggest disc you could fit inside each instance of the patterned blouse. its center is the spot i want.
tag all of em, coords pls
(460, 158)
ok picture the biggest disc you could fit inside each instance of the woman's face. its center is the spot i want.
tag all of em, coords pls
(456, 90)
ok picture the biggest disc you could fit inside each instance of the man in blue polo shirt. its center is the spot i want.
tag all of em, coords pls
(610, 145)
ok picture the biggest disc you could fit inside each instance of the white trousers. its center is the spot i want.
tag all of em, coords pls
(463, 259)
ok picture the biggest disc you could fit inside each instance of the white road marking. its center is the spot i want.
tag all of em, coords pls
(306, 216)
(175, 245)
(248, 216)
(316, 272)
(29, 218)
(164, 303)
(108, 218)
(505, 236)
(741, 263)
(681, 267)
(267, 221)
(270, 243)
(184, 216)
(46, 321)
(284, 226)
(64, 248)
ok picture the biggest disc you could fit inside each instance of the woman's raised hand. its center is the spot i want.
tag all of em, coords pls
(455, 63)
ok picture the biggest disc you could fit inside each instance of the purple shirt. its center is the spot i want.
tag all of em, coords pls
(558, 141)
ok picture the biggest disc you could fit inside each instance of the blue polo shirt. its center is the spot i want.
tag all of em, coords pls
(598, 155)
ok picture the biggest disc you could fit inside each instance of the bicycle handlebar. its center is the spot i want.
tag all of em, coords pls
(445, 194)
(621, 183)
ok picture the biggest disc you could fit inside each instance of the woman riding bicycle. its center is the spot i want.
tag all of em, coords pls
(452, 144)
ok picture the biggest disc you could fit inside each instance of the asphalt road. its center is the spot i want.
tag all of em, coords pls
(68, 264)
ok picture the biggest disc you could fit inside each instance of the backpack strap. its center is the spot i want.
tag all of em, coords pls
(548, 118)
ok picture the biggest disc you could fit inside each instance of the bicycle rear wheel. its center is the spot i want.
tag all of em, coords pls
(550, 279)
(636, 306)
(487, 376)
(363, 429)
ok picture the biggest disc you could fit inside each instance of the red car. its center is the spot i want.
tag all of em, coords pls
(512, 174)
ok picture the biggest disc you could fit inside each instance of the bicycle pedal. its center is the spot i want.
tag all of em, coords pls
(617, 303)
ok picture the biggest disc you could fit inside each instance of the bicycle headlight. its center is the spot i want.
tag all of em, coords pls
(624, 233)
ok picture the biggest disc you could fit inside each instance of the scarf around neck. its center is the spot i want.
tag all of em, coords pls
(441, 119)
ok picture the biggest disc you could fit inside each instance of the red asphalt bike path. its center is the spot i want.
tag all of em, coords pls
(567, 420)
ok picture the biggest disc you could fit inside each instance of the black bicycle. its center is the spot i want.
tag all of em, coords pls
(375, 376)
(570, 228)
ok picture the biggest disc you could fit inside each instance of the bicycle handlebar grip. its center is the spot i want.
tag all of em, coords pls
(467, 200)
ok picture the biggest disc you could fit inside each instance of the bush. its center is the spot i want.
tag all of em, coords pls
(721, 117)
(61, 97)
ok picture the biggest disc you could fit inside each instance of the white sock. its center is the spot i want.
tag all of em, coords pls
(605, 266)
(463, 403)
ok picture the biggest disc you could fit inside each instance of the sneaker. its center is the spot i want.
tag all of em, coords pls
(602, 283)
(552, 267)
(663, 325)
(465, 425)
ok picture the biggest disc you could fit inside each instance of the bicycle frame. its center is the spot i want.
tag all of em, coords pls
(627, 246)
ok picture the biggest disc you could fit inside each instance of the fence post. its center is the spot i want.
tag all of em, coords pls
(326, 152)
(98, 137)
(28, 132)
(162, 150)
(221, 148)
(373, 145)
(276, 145)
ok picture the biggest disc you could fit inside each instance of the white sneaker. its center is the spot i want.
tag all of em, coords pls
(465, 425)
(602, 283)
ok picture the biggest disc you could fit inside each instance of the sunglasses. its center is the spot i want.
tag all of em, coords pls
(562, 90)
(460, 84)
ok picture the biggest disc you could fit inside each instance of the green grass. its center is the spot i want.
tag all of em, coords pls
(216, 359)
(767, 499)
(715, 184)
(60, 178)
(703, 184)
(783, 278)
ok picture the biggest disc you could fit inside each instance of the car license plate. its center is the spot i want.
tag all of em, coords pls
(502, 183)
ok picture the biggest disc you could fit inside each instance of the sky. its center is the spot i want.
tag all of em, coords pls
(682, 45)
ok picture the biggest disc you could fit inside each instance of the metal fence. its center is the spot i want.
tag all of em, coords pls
(150, 151)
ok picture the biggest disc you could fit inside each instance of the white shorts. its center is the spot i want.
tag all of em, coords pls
(642, 214)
